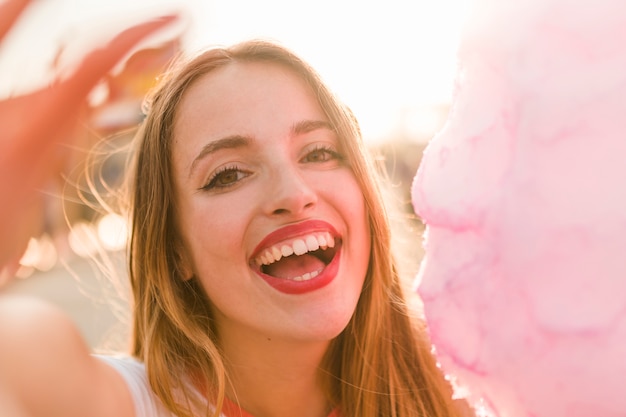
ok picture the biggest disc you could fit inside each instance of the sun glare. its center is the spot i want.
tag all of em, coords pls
(387, 61)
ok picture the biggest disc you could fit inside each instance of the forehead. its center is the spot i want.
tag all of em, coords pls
(256, 99)
(244, 88)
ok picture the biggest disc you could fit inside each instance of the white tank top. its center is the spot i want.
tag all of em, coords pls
(147, 404)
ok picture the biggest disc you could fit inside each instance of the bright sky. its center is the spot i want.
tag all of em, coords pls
(393, 62)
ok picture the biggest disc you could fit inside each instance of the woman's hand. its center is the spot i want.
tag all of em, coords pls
(34, 126)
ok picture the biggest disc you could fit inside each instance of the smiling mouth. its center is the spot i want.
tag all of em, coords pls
(300, 259)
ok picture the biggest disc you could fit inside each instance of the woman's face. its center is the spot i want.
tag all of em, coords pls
(272, 218)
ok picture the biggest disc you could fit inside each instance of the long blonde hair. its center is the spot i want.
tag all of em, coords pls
(380, 365)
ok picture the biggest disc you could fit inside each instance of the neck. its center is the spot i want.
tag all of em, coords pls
(274, 378)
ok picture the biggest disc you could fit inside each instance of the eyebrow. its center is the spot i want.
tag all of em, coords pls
(307, 126)
(228, 142)
(240, 141)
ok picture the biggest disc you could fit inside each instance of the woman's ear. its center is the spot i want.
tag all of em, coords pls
(183, 262)
(186, 272)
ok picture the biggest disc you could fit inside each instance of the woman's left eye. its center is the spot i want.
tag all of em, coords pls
(322, 154)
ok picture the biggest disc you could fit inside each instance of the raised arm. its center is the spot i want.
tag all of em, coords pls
(45, 367)
(34, 125)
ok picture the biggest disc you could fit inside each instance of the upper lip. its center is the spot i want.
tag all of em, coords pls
(293, 231)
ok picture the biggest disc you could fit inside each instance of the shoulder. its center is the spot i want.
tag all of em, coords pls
(133, 372)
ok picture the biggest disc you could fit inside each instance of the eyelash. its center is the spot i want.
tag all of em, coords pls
(327, 150)
(212, 184)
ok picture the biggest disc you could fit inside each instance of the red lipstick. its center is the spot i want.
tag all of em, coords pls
(278, 270)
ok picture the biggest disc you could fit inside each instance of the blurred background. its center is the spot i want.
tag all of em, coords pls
(392, 62)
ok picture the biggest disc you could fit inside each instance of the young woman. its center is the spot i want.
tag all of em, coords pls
(260, 266)
(244, 158)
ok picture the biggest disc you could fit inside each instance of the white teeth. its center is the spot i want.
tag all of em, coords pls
(312, 244)
(298, 247)
(307, 276)
(286, 250)
(276, 253)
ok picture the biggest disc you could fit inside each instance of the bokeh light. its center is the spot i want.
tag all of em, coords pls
(83, 239)
(41, 254)
(112, 232)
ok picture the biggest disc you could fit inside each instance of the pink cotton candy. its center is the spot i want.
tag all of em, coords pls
(524, 197)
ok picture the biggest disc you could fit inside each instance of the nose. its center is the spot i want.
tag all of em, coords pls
(291, 193)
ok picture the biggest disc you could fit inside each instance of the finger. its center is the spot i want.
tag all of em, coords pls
(97, 63)
(9, 12)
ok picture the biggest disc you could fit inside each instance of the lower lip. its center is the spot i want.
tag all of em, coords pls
(289, 286)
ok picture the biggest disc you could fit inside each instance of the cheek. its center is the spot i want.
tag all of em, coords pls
(215, 244)
(213, 233)
(350, 201)
(355, 205)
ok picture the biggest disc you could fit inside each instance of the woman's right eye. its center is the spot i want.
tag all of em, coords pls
(225, 178)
